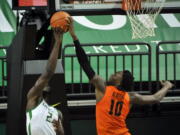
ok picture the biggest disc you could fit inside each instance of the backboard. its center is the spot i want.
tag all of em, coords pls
(95, 7)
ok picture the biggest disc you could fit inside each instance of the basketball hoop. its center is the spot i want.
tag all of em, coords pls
(131, 5)
(142, 16)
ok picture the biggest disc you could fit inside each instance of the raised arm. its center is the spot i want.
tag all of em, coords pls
(151, 99)
(96, 80)
(36, 91)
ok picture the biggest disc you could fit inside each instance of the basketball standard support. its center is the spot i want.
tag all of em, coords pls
(23, 70)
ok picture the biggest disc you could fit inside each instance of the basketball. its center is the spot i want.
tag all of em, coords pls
(59, 19)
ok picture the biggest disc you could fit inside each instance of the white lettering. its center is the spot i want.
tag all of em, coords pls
(4, 51)
(114, 49)
(87, 52)
(5, 26)
(171, 20)
(99, 49)
(10, 3)
(156, 43)
(132, 50)
(118, 21)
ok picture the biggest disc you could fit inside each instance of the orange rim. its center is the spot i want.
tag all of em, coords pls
(131, 5)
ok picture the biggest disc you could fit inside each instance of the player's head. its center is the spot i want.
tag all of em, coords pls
(46, 92)
(123, 78)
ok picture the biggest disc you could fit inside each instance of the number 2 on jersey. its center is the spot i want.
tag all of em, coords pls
(49, 117)
(118, 107)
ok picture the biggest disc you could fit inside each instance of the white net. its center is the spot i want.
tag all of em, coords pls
(142, 15)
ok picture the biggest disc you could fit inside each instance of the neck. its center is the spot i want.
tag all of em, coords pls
(113, 83)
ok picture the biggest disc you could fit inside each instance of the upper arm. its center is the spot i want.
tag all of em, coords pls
(100, 87)
(136, 98)
(36, 90)
(99, 83)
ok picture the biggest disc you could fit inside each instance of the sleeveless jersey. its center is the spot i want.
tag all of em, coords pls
(39, 120)
(111, 112)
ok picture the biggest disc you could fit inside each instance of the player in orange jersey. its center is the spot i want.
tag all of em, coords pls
(113, 103)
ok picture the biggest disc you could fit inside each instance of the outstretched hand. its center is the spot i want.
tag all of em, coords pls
(71, 27)
(166, 84)
(58, 33)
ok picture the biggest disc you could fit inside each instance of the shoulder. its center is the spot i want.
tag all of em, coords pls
(134, 96)
(33, 103)
(97, 78)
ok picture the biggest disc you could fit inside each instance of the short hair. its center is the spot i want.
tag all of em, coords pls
(46, 91)
(127, 82)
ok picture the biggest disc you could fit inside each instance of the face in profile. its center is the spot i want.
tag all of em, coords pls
(123, 78)
(116, 78)
(46, 93)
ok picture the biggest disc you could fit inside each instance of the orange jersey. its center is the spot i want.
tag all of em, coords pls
(111, 112)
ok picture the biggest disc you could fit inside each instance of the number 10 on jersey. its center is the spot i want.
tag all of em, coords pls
(116, 107)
